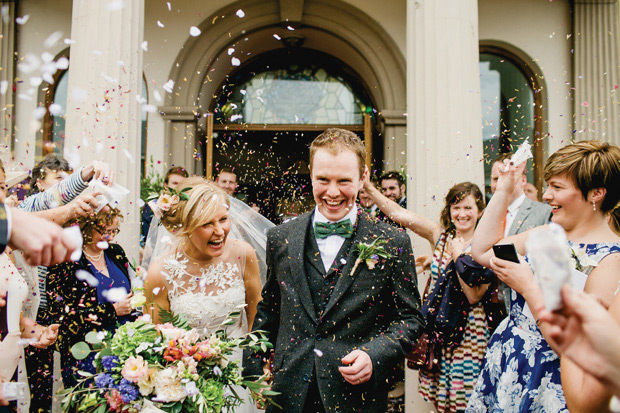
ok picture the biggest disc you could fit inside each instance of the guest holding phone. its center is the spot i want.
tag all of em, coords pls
(521, 370)
(461, 343)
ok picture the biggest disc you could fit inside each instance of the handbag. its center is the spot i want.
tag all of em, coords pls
(423, 355)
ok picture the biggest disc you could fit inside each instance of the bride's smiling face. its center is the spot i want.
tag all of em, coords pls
(209, 239)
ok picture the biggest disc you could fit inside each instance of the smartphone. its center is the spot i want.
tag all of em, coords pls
(506, 252)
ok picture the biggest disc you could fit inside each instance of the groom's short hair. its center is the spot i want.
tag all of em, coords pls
(334, 140)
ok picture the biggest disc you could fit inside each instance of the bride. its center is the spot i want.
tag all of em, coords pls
(205, 275)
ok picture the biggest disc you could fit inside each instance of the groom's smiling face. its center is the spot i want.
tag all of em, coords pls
(335, 182)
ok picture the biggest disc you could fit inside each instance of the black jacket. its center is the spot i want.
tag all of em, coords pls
(73, 303)
(377, 311)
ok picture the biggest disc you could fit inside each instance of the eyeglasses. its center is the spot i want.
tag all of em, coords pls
(109, 232)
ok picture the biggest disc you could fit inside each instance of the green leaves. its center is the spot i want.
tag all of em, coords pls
(80, 350)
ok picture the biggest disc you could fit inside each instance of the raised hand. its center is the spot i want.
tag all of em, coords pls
(98, 170)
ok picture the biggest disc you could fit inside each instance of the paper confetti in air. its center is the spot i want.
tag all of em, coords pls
(235, 62)
(52, 39)
(240, 14)
(168, 86)
(103, 245)
(88, 277)
(194, 31)
(22, 20)
(115, 294)
(55, 109)
(145, 46)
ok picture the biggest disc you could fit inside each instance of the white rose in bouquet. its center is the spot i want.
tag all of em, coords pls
(168, 386)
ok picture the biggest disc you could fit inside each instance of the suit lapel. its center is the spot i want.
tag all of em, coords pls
(523, 212)
(362, 234)
(296, 246)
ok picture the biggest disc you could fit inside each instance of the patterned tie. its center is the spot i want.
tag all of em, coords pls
(325, 229)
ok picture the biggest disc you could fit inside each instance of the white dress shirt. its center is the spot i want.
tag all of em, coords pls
(329, 246)
(513, 210)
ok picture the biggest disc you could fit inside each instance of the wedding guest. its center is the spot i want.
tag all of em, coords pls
(366, 203)
(84, 296)
(171, 180)
(530, 191)
(521, 370)
(459, 330)
(522, 213)
(392, 187)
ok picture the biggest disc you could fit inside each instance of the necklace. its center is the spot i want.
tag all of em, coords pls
(93, 257)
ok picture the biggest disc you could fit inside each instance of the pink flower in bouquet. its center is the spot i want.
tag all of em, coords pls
(135, 369)
(165, 202)
(205, 351)
(114, 400)
(191, 365)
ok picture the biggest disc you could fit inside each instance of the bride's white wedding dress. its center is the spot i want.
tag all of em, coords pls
(207, 295)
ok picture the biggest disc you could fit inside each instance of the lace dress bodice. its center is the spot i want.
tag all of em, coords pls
(206, 295)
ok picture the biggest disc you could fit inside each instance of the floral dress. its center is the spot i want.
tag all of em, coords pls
(450, 387)
(521, 373)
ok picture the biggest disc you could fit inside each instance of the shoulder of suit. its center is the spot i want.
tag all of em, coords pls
(290, 225)
(539, 205)
(384, 229)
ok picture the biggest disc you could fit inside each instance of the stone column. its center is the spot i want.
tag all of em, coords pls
(394, 139)
(7, 72)
(444, 128)
(596, 76)
(103, 113)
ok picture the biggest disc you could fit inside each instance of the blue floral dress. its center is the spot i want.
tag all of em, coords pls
(521, 373)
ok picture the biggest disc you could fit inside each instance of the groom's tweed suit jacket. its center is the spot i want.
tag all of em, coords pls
(377, 311)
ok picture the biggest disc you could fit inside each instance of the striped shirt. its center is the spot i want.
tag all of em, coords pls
(62, 193)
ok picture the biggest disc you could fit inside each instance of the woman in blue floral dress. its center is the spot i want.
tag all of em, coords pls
(521, 371)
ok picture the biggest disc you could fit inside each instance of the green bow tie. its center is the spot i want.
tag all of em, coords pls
(325, 229)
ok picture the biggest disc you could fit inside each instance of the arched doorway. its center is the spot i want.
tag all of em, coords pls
(228, 44)
(267, 113)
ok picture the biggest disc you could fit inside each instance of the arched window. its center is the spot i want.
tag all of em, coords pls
(511, 110)
(293, 87)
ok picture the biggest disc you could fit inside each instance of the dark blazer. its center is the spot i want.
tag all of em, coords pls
(377, 311)
(530, 214)
(73, 303)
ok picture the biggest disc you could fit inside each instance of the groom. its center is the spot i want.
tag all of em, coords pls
(339, 335)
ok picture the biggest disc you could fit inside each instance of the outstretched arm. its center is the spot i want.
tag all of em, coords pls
(425, 228)
(490, 228)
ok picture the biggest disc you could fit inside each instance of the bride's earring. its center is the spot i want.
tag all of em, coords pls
(593, 206)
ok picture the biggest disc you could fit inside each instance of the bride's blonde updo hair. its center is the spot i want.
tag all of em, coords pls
(204, 198)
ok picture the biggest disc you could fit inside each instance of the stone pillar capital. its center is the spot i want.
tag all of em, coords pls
(179, 113)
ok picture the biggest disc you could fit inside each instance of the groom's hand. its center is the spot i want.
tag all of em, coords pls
(358, 369)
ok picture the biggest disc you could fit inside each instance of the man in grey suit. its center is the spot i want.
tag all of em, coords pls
(522, 214)
(340, 326)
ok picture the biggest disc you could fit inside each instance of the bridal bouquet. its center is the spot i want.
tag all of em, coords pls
(144, 367)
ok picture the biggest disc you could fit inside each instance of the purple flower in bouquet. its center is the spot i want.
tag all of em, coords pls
(109, 362)
(104, 381)
(129, 391)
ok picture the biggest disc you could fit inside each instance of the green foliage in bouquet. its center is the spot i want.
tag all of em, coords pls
(169, 367)
(152, 184)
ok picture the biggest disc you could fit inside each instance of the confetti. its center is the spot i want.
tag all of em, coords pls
(52, 40)
(145, 46)
(168, 86)
(39, 112)
(4, 84)
(103, 245)
(231, 50)
(55, 109)
(22, 20)
(115, 294)
(116, 5)
(194, 31)
(90, 279)
(235, 62)
(160, 24)
(240, 14)
(318, 352)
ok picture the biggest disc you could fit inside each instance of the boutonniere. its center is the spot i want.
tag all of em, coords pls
(370, 253)
(581, 259)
